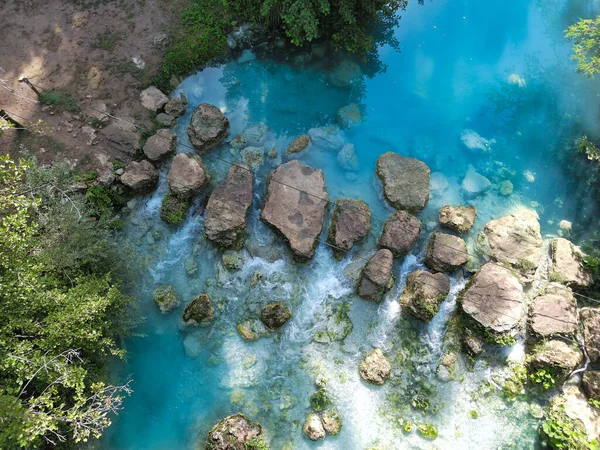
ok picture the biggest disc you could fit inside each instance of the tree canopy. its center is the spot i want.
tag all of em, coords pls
(585, 36)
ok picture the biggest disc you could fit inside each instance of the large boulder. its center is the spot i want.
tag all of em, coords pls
(350, 223)
(233, 433)
(376, 277)
(405, 181)
(140, 176)
(159, 146)
(275, 315)
(153, 99)
(556, 353)
(514, 239)
(494, 298)
(175, 107)
(225, 219)
(446, 253)
(347, 159)
(567, 265)
(474, 183)
(375, 368)
(313, 427)
(295, 206)
(554, 311)
(327, 138)
(122, 137)
(400, 233)
(199, 312)
(208, 126)
(166, 298)
(187, 175)
(591, 384)
(299, 144)
(590, 318)
(458, 218)
(424, 293)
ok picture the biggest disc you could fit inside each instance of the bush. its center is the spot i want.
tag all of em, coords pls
(60, 99)
(563, 433)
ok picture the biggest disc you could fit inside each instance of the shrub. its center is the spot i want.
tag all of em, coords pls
(60, 99)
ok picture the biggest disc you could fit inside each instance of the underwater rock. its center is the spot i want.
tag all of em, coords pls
(339, 325)
(313, 427)
(590, 319)
(234, 433)
(349, 115)
(346, 73)
(405, 181)
(474, 184)
(458, 218)
(554, 311)
(253, 156)
(299, 144)
(225, 218)
(446, 253)
(153, 99)
(375, 368)
(175, 107)
(376, 277)
(438, 183)
(159, 146)
(514, 239)
(506, 188)
(473, 141)
(567, 266)
(275, 315)
(471, 342)
(565, 228)
(327, 138)
(347, 159)
(446, 370)
(517, 80)
(494, 298)
(529, 176)
(296, 212)
(400, 233)
(166, 298)
(332, 422)
(208, 126)
(246, 331)
(191, 267)
(591, 384)
(350, 223)
(187, 175)
(140, 176)
(424, 293)
(199, 312)
(557, 354)
(232, 260)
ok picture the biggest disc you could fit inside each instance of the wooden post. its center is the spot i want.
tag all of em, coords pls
(28, 83)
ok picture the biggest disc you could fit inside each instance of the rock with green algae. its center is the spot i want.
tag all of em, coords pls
(375, 368)
(332, 422)
(349, 115)
(174, 208)
(376, 277)
(235, 432)
(199, 312)
(251, 330)
(313, 427)
(428, 431)
(424, 294)
(232, 260)
(275, 315)
(320, 400)
(166, 299)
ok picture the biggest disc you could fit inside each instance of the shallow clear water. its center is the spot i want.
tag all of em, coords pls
(497, 75)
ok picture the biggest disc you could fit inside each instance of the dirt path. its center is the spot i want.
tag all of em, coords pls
(98, 51)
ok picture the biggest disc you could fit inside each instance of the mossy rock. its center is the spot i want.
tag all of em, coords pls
(332, 422)
(199, 312)
(275, 315)
(236, 432)
(174, 208)
(320, 400)
(428, 431)
(166, 298)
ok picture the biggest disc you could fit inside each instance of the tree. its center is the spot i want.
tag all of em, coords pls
(58, 324)
(585, 36)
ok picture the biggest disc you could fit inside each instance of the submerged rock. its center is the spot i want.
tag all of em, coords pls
(299, 144)
(153, 99)
(187, 175)
(471, 342)
(446, 253)
(400, 233)
(275, 316)
(313, 427)
(458, 218)
(327, 138)
(251, 330)
(506, 188)
(166, 299)
(350, 223)
(494, 298)
(253, 156)
(199, 312)
(159, 146)
(567, 264)
(296, 212)
(473, 141)
(514, 239)
(376, 277)
(140, 176)
(332, 422)
(424, 293)
(375, 368)
(349, 115)
(234, 433)
(554, 312)
(474, 183)
(557, 354)
(207, 128)
(405, 181)
(346, 73)
(227, 208)
(347, 159)
(590, 319)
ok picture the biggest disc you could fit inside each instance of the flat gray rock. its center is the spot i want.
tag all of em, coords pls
(208, 127)
(405, 181)
(350, 223)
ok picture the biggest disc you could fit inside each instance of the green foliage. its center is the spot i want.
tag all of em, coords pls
(107, 40)
(563, 433)
(256, 443)
(544, 377)
(515, 383)
(60, 99)
(594, 402)
(586, 147)
(5, 125)
(320, 400)
(61, 311)
(173, 208)
(585, 36)
(428, 431)
(473, 414)
(592, 263)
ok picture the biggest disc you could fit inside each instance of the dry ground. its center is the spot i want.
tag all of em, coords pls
(85, 47)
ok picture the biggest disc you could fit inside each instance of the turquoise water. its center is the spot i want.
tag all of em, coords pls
(497, 75)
